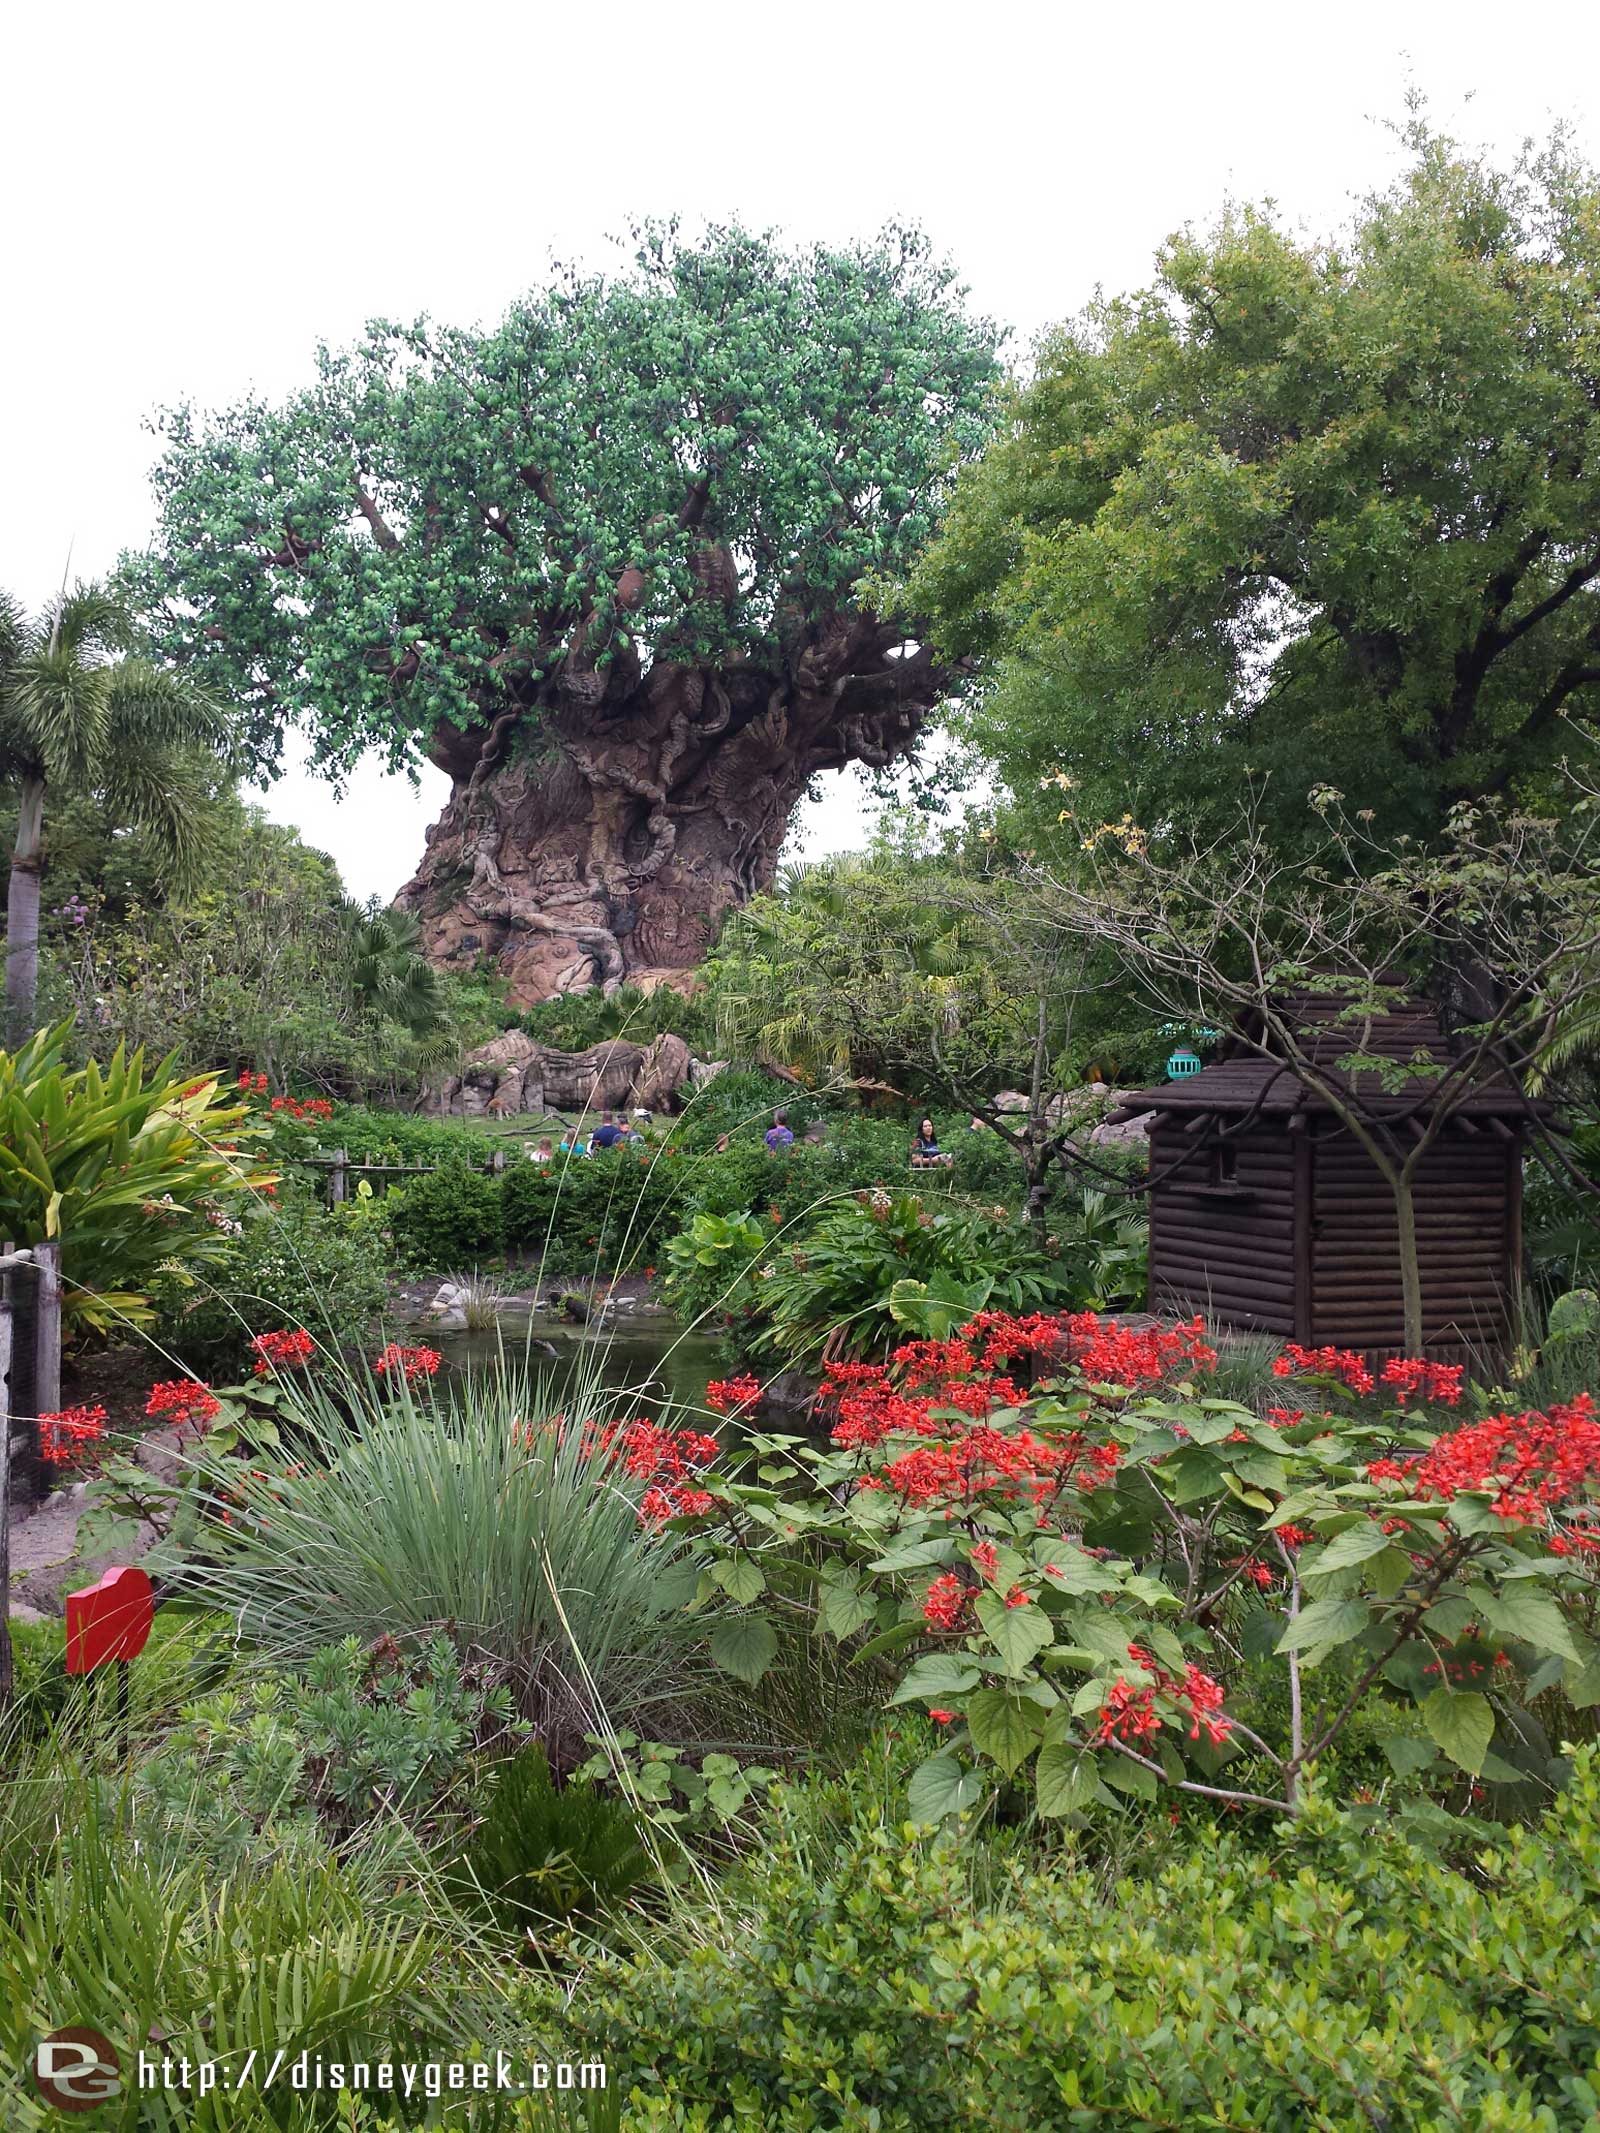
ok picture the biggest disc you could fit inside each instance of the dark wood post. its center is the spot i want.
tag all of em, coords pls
(337, 1183)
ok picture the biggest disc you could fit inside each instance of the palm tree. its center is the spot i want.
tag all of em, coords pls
(80, 709)
(390, 975)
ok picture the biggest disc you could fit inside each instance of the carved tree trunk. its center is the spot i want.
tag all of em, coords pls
(605, 827)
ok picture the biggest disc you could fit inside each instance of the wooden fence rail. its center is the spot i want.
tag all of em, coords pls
(336, 1162)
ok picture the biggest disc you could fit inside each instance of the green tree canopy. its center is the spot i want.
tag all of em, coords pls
(1327, 510)
(692, 460)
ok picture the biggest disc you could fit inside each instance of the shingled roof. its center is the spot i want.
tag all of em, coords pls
(1242, 1079)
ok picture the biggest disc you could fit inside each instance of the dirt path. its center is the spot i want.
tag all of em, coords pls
(45, 1563)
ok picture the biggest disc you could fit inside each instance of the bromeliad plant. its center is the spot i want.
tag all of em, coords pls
(1085, 1567)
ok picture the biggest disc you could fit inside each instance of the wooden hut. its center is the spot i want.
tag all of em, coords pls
(1267, 1214)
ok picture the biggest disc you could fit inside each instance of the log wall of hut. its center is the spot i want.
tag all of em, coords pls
(1466, 1194)
(1222, 1230)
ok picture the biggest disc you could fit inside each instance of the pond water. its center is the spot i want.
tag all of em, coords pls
(652, 1357)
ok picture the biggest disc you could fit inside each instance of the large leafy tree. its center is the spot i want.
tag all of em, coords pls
(82, 712)
(1329, 510)
(604, 565)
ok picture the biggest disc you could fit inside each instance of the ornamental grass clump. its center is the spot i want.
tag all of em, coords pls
(508, 1510)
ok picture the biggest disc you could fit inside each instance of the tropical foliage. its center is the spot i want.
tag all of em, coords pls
(130, 1167)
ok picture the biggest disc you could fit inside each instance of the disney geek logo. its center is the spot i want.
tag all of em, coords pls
(75, 2069)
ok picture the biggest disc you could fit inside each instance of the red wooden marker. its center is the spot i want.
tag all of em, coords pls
(109, 1621)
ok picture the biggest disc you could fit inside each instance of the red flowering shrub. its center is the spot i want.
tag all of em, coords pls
(1535, 1469)
(726, 1395)
(282, 1350)
(1093, 1554)
(183, 1401)
(407, 1363)
(72, 1436)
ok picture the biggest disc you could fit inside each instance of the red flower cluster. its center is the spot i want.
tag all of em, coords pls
(725, 1395)
(1109, 1354)
(413, 1363)
(672, 1461)
(1129, 1713)
(947, 1602)
(282, 1350)
(72, 1436)
(183, 1400)
(1530, 1464)
(1341, 1363)
(253, 1084)
(1410, 1375)
(990, 1461)
(306, 1107)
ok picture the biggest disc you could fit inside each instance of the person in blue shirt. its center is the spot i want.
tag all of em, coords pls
(778, 1133)
(926, 1154)
(608, 1134)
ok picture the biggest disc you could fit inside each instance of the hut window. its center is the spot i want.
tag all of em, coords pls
(1224, 1164)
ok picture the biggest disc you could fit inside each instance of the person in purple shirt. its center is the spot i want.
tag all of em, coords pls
(608, 1133)
(778, 1133)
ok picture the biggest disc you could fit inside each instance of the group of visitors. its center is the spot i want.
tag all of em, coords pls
(615, 1130)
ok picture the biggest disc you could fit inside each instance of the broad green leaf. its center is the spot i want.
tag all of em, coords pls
(1462, 1724)
(1328, 1621)
(1532, 1617)
(1354, 1545)
(915, 1555)
(1129, 1777)
(1389, 1572)
(940, 1787)
(1068, 1780)
(1018, 1634)
(937, 1674)
(1002, 1728)
(1070, 1570)
(1407, 1756)
(745, 1647)
(844, 1610)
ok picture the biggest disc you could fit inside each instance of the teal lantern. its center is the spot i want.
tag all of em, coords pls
(1182, 1064)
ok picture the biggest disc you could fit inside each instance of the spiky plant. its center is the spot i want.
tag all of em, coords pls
(475, 1509)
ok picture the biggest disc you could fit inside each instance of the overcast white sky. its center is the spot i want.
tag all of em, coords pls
(198, 193)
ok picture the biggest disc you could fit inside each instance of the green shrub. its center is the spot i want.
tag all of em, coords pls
(609, 1211)
(544, 1854)
(287, 1758)
(712, 1267)
(832, 1287)
(450, 1217)
(1339, 1978)
(371, 1136)
(295, 1263)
